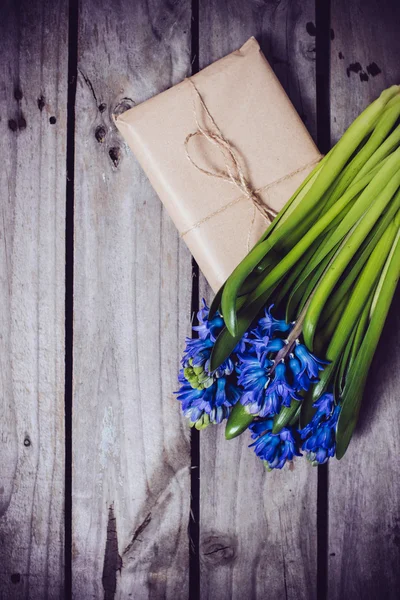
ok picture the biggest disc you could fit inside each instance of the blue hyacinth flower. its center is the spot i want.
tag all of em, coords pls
(197, 355)
(280, 388)
(301, 379)
(324, 408)
(264, 346)
(320, 433)
(206, 397)
(197, 352)
(252, 376)
(263, 397)
(208, 328)
(268, 325)
(211, 402)
(310, 364)
(273, 448)
(244, 346)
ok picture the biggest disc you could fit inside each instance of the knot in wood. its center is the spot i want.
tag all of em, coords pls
(123, 106)
(218, 549)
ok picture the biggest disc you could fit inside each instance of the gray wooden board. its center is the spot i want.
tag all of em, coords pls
(131, 452)
(364, 487)
(258, 529)
(33, 82)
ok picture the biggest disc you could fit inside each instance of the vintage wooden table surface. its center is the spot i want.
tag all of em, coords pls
(103, 492)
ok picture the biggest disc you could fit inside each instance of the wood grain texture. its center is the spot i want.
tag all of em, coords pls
(364, 487)
(258, 529)
(364, 57)
(33, 81)
(131, 454)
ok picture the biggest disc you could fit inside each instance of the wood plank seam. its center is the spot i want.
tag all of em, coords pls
(195, 481)
(322, 47)
(69, 285)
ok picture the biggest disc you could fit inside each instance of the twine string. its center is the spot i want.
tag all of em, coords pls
(234, 175)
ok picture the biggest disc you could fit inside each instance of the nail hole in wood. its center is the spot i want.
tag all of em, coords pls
(53, 120)
(41, 102)
(12, 124)
(311, 29)
(27, 442)
(100, 134)
(373, 69)
(115, 155)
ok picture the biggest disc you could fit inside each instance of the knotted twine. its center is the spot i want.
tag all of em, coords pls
(234, 172)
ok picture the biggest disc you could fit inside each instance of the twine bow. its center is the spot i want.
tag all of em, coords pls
(234, 172)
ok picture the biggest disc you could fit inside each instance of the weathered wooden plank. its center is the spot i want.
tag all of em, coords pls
(258, 529)
(131, 452)
(364, 488)
(33, 97)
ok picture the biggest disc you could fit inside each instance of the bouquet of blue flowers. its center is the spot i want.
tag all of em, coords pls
(285, 348)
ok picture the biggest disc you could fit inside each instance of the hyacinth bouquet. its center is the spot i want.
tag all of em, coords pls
(285, 348)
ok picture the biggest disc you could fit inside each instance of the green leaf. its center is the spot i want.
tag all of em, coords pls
(361, 293)
(360, 330)
(317, 185)
(314, 278)
(296, 271)
(382, 128)
(381, 153)
(345, 254)
(327, 329)
(235, 282)
(258, 274)
(333, 221)
(343, 365)
(321, 225)
(360, 258)
(295, 199)
(357, 375)
(285, 416)
(337, 158)
(238, 421)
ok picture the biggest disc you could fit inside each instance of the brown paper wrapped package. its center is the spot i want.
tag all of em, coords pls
(218, 222)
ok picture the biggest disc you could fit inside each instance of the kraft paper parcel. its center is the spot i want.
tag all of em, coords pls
(249, 107)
